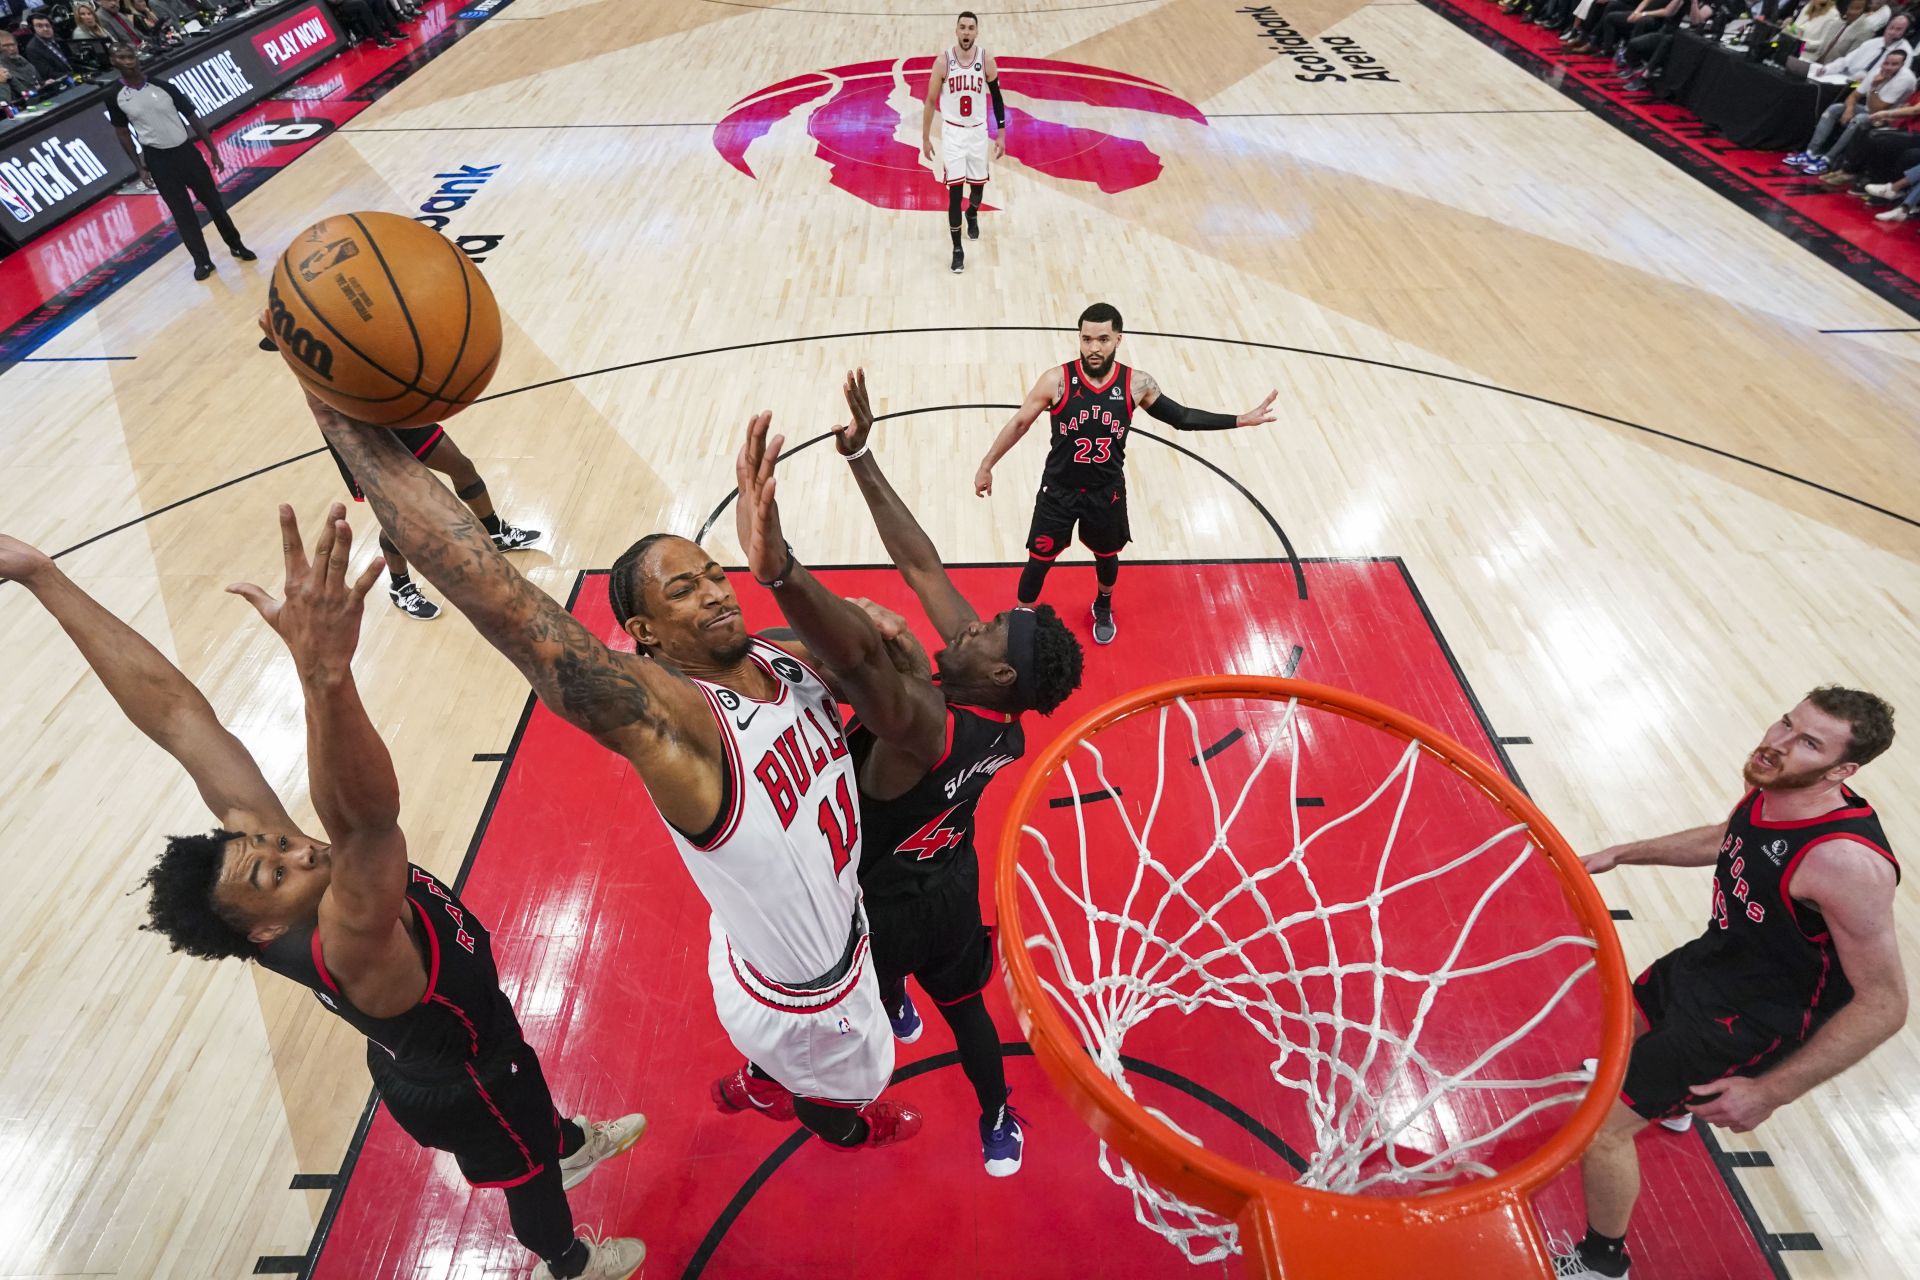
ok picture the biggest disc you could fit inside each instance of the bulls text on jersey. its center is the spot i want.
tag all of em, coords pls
(796, 757)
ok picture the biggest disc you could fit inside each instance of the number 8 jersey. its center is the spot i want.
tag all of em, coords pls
(780, 864)
(1090, 420)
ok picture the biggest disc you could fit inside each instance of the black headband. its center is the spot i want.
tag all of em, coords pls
(1021, 624)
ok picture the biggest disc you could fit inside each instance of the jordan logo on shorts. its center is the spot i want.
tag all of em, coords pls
(1728, 1022)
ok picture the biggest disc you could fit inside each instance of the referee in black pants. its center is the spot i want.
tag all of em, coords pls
(160, 116)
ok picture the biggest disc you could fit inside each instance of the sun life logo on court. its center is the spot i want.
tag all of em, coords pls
(455, 192)
(295, 341)
(863, 119)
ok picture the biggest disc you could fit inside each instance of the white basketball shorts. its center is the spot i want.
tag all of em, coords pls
(831, 1045)
(963, 153)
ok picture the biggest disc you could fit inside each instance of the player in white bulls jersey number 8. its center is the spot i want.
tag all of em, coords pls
(758, 794)
(960, 82)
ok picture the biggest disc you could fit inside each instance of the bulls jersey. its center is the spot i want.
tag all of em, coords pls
(464, 1017)
(917, 841)
(1766, 954)
(963, 96)
(779, 866)
(1090, 420)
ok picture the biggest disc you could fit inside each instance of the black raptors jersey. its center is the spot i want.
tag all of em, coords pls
(463, 1018)
(916, 842)
(1767, 955)
(1090, 421)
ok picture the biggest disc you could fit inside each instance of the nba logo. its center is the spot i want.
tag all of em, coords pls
(846, 1028)
(19, 208)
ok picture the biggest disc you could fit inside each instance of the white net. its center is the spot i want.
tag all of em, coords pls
(1332, 953)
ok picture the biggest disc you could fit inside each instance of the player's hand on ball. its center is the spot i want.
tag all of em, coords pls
(1739, 1103)
(1260, 413)
(758, 520)
(20, 561)
(853, 436)
(983, 481)
(319, 620)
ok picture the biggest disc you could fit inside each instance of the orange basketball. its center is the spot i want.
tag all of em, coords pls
(384, 319)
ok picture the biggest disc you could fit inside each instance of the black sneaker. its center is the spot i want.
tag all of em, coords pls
(243, 253)
(408, 600)
(201, 270)
(959, 261)
(512, 539)
(1575, 1266)
(973, 224)
(1103, 628)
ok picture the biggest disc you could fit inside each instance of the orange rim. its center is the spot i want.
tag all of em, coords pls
(1233, 1190)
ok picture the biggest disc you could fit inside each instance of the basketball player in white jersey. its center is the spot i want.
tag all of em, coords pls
(959, 84)
(739, 744)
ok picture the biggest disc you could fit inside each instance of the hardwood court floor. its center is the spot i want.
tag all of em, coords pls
(1648, 501)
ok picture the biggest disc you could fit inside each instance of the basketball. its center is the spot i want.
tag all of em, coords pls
(384, 319)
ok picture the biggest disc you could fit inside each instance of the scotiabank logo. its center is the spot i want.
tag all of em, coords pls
(864, 120)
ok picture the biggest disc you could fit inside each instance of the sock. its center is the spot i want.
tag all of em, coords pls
(395, 581)
(955, 233)
(1605, 1254)
(1103, 602)
(571, 1263)
(492, 522)
(953, 214)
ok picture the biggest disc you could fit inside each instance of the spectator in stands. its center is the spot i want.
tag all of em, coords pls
(91, 43)
(10, 94)
(1891, 86)
(1864, 61)
(118, 22)
(1620, 26)
(24, 76)
(151, 26)
(1857, 26)
(1648, 53)
(45, 51)
(1905, 189)
(363, 22)
(1816, 23)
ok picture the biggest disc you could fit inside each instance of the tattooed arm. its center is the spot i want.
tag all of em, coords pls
(633, 706)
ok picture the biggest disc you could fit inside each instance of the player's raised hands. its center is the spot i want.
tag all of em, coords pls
(1260, 413)
(757, 518)
(852, 438)
(904, 649)
(19, 561)
(319, 619)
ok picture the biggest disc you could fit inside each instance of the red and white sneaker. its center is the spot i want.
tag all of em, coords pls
(887, 1123)
(743, 1092)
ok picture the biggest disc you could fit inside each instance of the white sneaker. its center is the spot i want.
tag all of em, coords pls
(605, 1140)
(610, 1259)
(1899, 213)
(1882, 191)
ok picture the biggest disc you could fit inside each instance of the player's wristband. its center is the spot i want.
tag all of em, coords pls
(1181, 418)
(861, 452)
(780, 578)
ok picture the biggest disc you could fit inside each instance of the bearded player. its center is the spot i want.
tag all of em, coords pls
(1090, 404)
(1798, 975)
(959, 83)
(926, 749)
(741, 748)
(385, 946)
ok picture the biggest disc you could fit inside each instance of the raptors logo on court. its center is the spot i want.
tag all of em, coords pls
(864, 120)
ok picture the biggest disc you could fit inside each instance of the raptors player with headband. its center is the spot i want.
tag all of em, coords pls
(959, 84)
(1090, 403)
(1798, 975)
(925, 748)
(739, 744)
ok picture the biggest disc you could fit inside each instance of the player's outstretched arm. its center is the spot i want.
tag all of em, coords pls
(1695, 847)
(999, 108)
(1852, 886)
(160, 701)
(349, 771)
(907, 544)
(903, 711)
(627, 703)
(1163, 407)
(1044, 393)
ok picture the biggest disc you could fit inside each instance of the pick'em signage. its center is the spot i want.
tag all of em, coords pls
(49, 172)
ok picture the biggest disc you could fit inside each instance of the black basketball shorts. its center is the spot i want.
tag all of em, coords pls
(1101, 515)
(936, 937)
(1695, 1037)
(498, 1122)
(418, 441)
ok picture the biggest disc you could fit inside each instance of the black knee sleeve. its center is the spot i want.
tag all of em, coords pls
(477, 489)
(975, 194)
(953, 205)
(842, 1126)
(1107, 569)
(1031, 577)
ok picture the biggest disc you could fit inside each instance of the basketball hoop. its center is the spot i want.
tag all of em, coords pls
(1392, 984)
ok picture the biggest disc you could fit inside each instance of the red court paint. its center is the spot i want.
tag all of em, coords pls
(602, 940)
